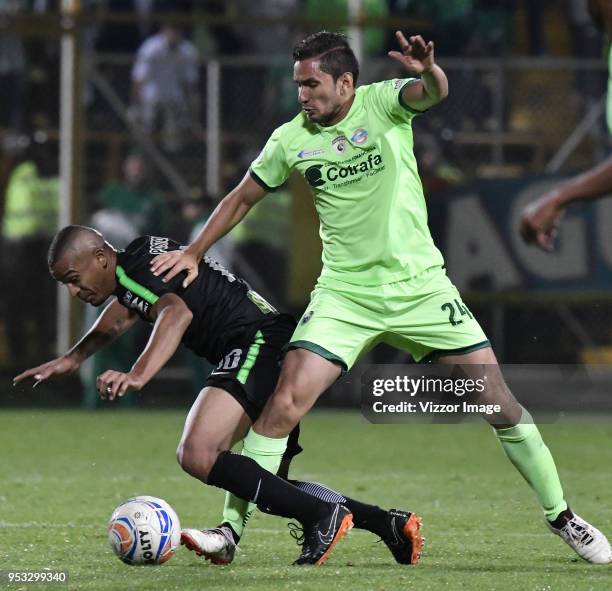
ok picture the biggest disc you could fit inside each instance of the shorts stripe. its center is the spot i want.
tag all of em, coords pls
(251, 357)
(321, 351)
(435, 355)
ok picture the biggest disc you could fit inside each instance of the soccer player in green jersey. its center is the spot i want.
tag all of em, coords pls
(383, 279)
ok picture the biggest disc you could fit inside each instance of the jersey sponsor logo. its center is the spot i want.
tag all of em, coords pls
(399, 83)
(339, 144)
(158, 245)
(261, 302)
(215, 266)
(306, 318)
(136, 303)
(317, 175)
(314, 176)
(359, 136)
(311, 153)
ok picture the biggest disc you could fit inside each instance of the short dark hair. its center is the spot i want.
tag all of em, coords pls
(68, 238)
(337, 57)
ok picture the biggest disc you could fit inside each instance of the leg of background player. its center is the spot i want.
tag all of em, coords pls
(523, 444)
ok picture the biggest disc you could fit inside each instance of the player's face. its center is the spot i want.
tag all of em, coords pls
(87, 276)
(321, 98)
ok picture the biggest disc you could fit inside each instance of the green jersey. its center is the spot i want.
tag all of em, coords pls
(367, 190)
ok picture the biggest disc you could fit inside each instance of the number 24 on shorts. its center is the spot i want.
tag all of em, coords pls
(456, 309)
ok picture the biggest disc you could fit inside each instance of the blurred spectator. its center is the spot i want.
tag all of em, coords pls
(492, 26)
(29, 222)
(374, 38)
(601, 13)
(12, 71)
(260, 254)
(194, 213)
(127, 209)
(134, 199)
(267, 39)
(164, 92)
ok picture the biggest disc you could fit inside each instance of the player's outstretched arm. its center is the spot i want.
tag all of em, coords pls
(417, 57)
(540, 219)
(112, 323)
(230, 211)
(172, 318)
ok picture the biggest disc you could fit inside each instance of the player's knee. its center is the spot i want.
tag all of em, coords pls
(196, 460)
(284, 407)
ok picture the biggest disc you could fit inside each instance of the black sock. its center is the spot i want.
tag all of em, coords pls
(368, 517)
(235, 536)
(562, 518)
(246, 479)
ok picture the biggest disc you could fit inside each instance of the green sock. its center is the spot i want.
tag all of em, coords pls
(524, 447)
(268, 453)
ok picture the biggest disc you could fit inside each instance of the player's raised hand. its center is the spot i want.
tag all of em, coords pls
(540, 221)
(111, 384)
(173, 262)
(415, 55)
(56, 367)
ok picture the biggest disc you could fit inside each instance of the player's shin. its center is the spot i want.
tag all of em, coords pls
(268, 453)
(246, 479)
(525, 448)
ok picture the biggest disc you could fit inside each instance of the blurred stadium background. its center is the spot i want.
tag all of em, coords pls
(95, 129)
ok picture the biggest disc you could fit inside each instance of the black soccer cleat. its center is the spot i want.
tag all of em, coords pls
(319, 539)
(404, 538)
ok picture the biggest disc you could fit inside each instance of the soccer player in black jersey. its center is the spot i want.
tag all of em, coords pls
(221, 318)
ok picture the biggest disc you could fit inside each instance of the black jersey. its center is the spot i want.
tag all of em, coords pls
(225, 309)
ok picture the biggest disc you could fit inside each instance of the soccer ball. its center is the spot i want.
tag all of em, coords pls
(144, 530)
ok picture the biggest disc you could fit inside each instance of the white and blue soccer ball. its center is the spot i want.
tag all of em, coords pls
(144, 530)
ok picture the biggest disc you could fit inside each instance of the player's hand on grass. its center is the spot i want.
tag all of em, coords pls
(112, 383)
(540, 221)
(173, 262)
(415, 55)
(56, 367)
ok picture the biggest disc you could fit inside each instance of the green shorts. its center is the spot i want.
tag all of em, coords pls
(423, 316)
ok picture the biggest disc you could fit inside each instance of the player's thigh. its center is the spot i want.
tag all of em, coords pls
(216, 421)
(304, 377)
(339, 324)
(427, 317)
(249, 369)
(482, 364)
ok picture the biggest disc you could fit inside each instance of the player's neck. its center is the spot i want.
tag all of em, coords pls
(342, 112)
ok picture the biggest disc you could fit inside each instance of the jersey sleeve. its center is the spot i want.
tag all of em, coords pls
(270, 169)
(386, 98)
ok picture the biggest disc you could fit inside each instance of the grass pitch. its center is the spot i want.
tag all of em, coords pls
(63, 472)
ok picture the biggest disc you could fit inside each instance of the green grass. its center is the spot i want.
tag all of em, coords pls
(62, 473)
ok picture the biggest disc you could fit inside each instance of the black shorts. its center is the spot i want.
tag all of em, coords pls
(249, 370)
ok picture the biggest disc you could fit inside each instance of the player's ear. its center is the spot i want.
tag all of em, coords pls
(346, 83)
(101, 257)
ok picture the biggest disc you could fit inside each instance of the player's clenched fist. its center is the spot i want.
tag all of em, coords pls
(540, 221)
(415, 55)
(112, 383)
